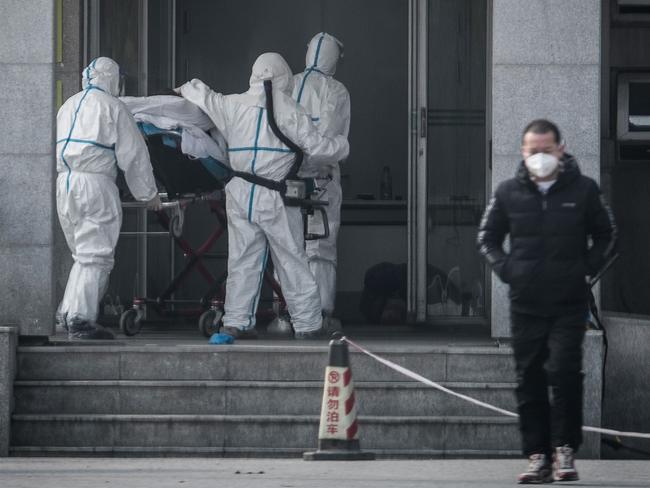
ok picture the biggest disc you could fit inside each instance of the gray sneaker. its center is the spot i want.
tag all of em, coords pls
(539, 471)
(563, 465)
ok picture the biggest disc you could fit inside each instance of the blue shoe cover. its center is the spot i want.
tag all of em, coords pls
(221, 339)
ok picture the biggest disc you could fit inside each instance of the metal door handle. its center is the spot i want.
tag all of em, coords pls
(423, 122)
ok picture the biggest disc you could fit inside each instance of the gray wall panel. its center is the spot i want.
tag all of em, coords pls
(27, 30)
(29, 224)
(27, 103)
(627, 395)
(26, 158)
(26, 293)
(567, 95)
(546, 32)
(559, 80)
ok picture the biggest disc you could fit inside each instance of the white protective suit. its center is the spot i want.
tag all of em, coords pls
(257, 216)
(328, 102)
(96, 134)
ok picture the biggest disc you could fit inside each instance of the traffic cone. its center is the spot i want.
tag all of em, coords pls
(338, 436)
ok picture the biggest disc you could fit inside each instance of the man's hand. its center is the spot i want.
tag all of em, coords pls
(155, 204)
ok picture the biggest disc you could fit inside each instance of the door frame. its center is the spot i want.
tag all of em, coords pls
(417, 162)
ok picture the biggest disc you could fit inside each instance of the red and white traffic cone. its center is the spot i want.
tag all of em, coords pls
(338, 435)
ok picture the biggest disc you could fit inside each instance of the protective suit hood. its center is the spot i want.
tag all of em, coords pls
(323, 52)
(270, 66)
(103, 73)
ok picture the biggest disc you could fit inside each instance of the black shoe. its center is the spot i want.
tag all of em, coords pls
(84, 330)
(60, 323)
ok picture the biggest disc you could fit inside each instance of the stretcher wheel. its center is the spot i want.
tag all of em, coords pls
(210, 322)
(176, 226)
(129, 323)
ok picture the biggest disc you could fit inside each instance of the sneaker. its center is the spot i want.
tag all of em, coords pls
(236, 333)
(312, 335)
(563, 465)
(539, 471)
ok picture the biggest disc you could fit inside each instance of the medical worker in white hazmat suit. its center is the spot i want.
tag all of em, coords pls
(259, 222)
(328, 102)
(96, 134)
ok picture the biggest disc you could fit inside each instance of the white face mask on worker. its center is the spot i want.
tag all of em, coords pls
(541, 165)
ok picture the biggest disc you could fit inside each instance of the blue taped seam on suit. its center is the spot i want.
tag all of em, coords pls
(257, 136)
(65, 146)
(259, 148)
(312, 68)
(82, 141)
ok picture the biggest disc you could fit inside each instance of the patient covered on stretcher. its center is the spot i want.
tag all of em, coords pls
(199, 137)
(183, 127)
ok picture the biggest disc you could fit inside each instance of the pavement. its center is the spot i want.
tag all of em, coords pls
(296, 473)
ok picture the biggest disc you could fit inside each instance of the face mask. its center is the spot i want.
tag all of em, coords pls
(541, 165)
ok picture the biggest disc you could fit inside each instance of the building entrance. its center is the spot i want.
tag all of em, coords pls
(414, 184)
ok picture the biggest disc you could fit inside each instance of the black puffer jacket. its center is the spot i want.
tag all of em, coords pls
(549, 256)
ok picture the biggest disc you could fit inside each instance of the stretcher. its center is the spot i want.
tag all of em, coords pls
(186, 181)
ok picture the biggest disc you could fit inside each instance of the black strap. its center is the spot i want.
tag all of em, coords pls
(279, 186)
(270, 117)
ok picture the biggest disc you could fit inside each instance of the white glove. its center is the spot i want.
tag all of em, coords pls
(155, 204)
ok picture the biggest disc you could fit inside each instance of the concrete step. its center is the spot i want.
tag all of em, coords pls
(248, 397)
(279, 434)
(253, 400)
(256, 363)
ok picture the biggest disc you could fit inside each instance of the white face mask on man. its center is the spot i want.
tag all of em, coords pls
(541, 165)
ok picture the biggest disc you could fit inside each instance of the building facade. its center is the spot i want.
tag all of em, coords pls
(441, 90)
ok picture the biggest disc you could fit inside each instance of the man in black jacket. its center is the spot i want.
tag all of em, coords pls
(550, 211)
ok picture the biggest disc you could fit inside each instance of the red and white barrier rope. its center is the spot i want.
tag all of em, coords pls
(438, 386)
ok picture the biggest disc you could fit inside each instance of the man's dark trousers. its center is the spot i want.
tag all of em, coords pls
(548, 353)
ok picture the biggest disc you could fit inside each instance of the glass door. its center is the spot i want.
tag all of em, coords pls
(448, 158)
(456, 156)
(140, 36)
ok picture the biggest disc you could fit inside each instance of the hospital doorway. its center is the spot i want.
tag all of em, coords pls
(415, 181)
(450, 153)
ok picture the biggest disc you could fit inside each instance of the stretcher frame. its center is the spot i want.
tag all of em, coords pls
(210, 307)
